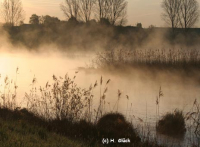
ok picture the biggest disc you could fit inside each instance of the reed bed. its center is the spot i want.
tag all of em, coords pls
(148, 57)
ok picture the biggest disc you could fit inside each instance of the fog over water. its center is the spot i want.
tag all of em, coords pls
(141, 86)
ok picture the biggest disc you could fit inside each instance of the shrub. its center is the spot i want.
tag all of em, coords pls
(114, 125)
(172, 124)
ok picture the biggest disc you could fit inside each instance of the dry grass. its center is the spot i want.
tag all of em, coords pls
(61, 100)
(150, 57)
(9, 92)
(194, 117)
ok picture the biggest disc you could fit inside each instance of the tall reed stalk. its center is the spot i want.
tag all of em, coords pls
(102, 97)
(160, 94)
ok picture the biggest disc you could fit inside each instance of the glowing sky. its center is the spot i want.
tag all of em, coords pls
(148, 12)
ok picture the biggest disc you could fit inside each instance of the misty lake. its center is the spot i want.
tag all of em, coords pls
(141, 87)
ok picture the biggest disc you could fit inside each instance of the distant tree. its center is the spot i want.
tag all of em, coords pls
(71, 9)
(34, 19)
(86, 9)
(104, 21)
(12, 12)
(118, 12)
(151, 26)
(102, 9)
(171, 11)
(189, 13)
(50, 21)
(73, 21)
(113, 10)
(41, 19)
(139, 25)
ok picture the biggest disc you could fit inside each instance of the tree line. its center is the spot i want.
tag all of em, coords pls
(180, 13)
(176, 13)
(112, 11)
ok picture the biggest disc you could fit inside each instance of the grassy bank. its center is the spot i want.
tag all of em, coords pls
(16, 130)
(23, 128)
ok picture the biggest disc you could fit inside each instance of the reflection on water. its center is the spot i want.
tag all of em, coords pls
(179, 92)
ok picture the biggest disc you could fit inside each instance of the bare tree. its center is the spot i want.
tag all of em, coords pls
(103, 9)
(12, 12)
(86, 9)
(118, 12)
(71, 8)
(189, 13)
(113, 10)
(171, 12)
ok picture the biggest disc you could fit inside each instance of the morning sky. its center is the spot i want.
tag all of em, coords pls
(148, 12)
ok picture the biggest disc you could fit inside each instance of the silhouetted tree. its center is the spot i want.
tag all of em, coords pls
(171, 12)
(189, 13)
(34, 19)
(113, 10)
(12, 12)
(152, 26)
(104, 21)
(139, 25)
(50, 21)
(71, 8)
(118, 12)
(102, 9)
(73, 21)
(41, 19)
(86, 8)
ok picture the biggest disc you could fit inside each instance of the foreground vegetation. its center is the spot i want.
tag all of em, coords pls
(172, 124)
(18, 128)
(23, 128)
(64, 109)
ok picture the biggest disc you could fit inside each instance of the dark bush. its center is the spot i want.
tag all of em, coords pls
(114, 125)
(172, 124)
